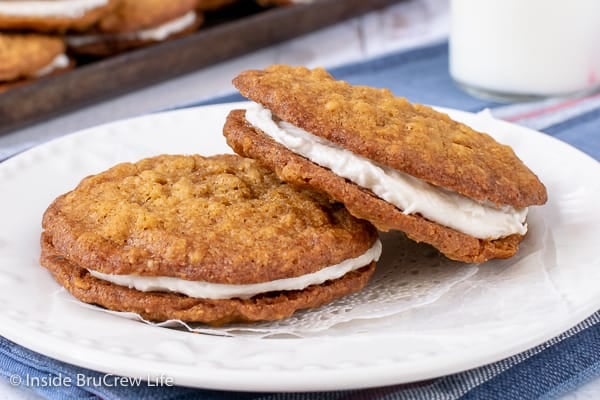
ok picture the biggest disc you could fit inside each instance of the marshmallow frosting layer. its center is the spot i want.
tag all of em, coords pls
(207, 290)
(411, 195)
(59, 62)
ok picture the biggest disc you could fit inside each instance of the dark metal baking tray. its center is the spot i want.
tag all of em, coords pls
(221, 39)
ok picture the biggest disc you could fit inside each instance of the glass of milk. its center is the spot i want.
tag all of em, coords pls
(525, 49)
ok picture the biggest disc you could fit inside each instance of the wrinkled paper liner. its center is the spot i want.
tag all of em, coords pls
(408, 275)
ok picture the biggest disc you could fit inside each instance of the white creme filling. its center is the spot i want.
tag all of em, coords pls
(56, 8)
(207, 290)
(59, 62)
(409, 194)
(157, 34)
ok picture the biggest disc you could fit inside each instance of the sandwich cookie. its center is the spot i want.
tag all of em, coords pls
(27, 57)
(137, 23)
(398, 165)
(52, 16)
(215, 240)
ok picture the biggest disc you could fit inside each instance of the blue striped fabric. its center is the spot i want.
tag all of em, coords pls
(582, 132)
(544, 372)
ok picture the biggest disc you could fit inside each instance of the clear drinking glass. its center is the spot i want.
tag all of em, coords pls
(525, 49)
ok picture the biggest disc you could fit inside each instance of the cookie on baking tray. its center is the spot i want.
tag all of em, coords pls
(137, 23)
(26, 57)
(398, 165)
(207, 239)
(52, 16)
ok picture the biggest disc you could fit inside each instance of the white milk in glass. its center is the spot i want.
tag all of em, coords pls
(525, 48)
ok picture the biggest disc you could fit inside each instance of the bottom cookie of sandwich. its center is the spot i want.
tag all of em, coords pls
(159, 306)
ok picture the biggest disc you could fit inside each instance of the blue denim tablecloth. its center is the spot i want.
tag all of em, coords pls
(544, 372)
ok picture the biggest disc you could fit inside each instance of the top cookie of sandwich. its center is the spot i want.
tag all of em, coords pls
(389, 130)
(53, 16)
(134, 15)
(220, 219)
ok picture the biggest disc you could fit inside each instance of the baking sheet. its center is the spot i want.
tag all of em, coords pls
(221, 39)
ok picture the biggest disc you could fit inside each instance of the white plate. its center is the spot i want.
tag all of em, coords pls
(507, 307)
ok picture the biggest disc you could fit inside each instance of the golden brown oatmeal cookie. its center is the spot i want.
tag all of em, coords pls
(221, 219)
(22, 56)
(135, 15)
(250, 142)
(156, 306)
(389, 130)
(55, 23)
(436, 179)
